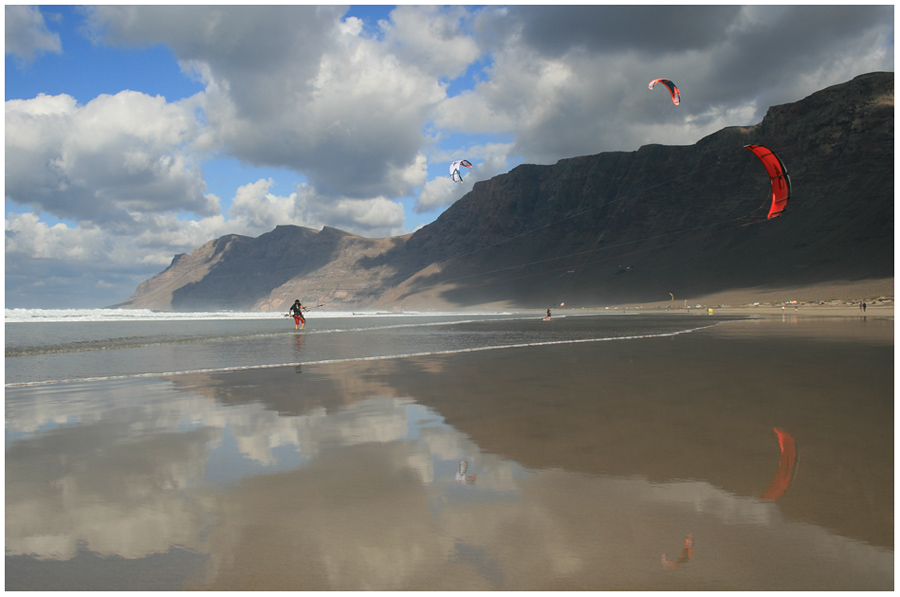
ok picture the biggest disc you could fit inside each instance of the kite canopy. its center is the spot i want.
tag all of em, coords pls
(454, 169)
(781, 182)
(676, 95)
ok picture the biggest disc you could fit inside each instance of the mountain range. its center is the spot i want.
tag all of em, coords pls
(615, 227)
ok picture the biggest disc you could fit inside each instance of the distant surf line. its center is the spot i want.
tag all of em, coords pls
(37, 316)
(354, 359)
(127, 343)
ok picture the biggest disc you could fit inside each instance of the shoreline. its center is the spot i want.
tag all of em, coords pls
(822, 299)
(765, 310)
(834, 299)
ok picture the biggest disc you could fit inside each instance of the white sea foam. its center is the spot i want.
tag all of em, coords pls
(94, 315)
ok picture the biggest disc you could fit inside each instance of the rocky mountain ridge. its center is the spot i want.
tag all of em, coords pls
(606, 228)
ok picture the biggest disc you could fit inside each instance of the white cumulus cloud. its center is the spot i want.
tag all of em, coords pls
(100, 162)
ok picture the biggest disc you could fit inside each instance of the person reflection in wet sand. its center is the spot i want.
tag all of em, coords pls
(299, 341)
(786, 466)
(687, 552)
(461, 476)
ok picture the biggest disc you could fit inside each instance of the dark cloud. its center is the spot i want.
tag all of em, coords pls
(259, 53)
(782, 44)
(554, 30)
(731, 63)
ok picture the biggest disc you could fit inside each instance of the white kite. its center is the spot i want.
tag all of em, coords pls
(454, 169)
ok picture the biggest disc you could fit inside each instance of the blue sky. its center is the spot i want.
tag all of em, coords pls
(134, 133)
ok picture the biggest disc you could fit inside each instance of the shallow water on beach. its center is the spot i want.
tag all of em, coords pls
(47, 349)
(606, 455)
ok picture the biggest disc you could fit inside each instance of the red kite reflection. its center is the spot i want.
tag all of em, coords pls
(786, 466)
(687, 552)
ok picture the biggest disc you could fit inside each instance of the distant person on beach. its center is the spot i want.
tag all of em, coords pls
(548, 314)
(862, 306)
(297, 311)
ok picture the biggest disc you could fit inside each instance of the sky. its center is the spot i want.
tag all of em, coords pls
(138, 132)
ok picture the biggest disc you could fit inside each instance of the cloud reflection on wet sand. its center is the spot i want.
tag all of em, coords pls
(589, 463)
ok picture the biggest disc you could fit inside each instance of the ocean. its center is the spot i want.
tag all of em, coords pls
(45, 346)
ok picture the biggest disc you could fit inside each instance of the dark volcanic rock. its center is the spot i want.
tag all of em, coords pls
(688, 220)
(612, 227)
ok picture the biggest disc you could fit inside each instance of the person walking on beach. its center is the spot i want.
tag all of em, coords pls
(862, 306)
(297, 311)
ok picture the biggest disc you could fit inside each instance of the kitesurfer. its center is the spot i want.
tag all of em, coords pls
(548, 314)
(297, 311)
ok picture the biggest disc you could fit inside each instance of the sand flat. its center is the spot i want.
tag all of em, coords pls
(587, 467)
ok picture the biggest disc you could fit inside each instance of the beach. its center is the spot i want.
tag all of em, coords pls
(747, 449)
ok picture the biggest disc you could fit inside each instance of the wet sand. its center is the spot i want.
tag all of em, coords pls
(586, 464)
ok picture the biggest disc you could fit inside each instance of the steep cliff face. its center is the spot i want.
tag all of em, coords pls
(688, 220)
(617, 226)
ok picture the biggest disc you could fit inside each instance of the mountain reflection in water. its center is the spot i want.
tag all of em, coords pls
(327, 480)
